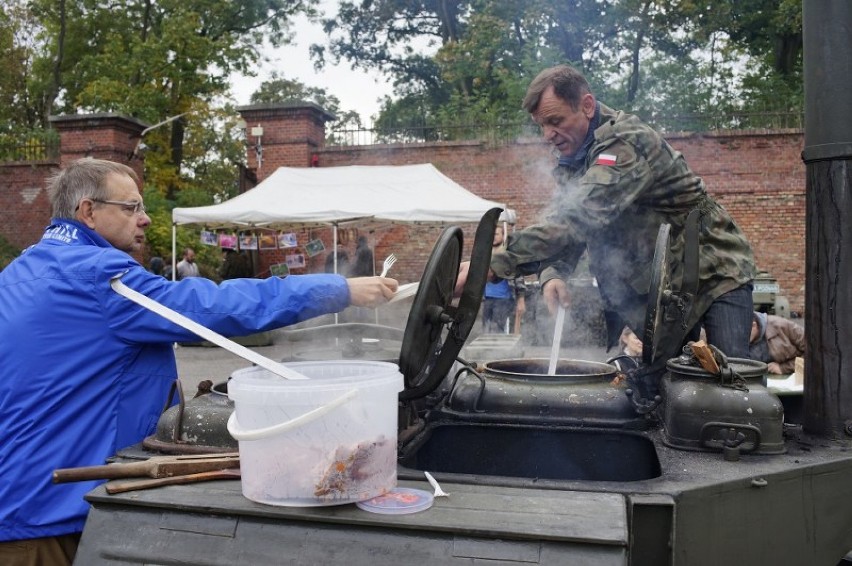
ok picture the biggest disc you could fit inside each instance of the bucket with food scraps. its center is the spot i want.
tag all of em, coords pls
(326, 440)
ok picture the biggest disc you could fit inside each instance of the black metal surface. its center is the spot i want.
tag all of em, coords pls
(436, 331)
(827, 79)
(828, 241)
(532, 452)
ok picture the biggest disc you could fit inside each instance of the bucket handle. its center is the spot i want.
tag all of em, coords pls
(261, 433)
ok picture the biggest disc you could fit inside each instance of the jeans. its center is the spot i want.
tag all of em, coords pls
(727, 322)
(496, 313)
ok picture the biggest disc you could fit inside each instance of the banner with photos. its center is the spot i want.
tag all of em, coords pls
(268, 241)
(279, 270)
(228, 241)
(295, 261)
(314, 247)
(209, 238)
(248, 241)
(287, 240)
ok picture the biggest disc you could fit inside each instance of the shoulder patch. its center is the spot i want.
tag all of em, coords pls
(606, 159)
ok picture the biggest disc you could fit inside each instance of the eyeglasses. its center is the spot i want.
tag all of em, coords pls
(134, 206)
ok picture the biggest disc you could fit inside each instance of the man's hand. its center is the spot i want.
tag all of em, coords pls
(555, 293)
(774, 368)
(371, 291)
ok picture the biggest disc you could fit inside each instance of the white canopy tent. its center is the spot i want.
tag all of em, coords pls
(329, 196)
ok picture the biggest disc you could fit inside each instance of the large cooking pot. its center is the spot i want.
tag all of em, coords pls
(580, 393)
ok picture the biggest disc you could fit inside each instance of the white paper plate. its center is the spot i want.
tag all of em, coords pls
(404, 292)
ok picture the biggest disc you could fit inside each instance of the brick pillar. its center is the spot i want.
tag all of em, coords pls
(103, 136)
(24, 206)
(283, 134)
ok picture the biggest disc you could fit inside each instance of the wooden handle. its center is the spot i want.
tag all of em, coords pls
(156, 467)
(705, 356)
(132, 485)
(105, 472)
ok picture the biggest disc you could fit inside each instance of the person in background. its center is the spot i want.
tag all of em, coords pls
(235, 265)
(630, 344)
(363, 265)
(156, 265)
(504, 300)
(342, 261)
(617, 182)
(187, 266)
(777, 341)
(86, 371)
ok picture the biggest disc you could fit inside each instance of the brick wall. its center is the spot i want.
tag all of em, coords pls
(24, 205)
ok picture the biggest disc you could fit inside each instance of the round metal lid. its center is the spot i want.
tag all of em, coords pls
(659, 294)
(436, 330)
(668, 310)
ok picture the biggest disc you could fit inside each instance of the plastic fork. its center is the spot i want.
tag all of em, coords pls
(389, 261)
(438, 491)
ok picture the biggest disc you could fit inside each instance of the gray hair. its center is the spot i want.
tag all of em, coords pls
(568, 83)
(83, 178)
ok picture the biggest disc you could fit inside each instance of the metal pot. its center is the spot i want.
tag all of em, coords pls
(196, 426)
(730, 412)
(581, 393)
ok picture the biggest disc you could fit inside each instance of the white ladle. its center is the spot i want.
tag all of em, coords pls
(557, 339)
(203, 331)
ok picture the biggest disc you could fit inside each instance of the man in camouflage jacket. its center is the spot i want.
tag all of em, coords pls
(618, 181)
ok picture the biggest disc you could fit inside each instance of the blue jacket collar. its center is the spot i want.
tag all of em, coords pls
(73, 233)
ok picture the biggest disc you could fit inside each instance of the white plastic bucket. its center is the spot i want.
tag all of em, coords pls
(327, 440)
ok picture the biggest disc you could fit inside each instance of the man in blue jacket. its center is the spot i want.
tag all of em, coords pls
(86, 371)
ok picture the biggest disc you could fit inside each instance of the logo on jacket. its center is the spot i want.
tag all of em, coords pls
(61, 232)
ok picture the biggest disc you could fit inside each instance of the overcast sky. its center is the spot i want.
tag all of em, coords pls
(356, 90)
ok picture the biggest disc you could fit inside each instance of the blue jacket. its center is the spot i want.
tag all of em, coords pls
(86, 372)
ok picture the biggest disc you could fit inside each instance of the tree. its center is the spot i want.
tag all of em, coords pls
(484, 52)
(280, 89)
(150, 59)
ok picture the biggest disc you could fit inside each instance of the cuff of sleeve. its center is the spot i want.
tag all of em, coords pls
(503, 266)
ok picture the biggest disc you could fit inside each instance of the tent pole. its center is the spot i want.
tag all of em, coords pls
(174, 251)
(334, 248)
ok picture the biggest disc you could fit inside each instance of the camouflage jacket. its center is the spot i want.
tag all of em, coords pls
(632, 182)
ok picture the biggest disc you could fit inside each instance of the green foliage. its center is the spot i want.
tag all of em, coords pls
(657, 57)
(33, 145)
(8, 252)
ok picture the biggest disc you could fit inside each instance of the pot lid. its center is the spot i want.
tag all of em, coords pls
(436, 329)
(667, 309)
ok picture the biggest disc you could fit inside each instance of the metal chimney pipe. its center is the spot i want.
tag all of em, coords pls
(827, 28)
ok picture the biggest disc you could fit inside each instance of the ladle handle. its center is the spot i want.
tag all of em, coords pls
(557, 339)
(202, 331)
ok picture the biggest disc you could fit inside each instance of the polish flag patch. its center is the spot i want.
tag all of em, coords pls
(606, 159)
